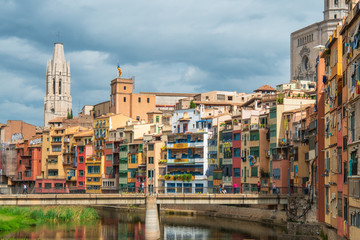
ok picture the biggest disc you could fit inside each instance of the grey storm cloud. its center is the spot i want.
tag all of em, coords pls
(169, 46)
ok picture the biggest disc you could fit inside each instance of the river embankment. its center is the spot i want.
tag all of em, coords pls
(13, 218)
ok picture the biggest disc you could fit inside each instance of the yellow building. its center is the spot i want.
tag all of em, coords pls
(333, 147)
(93, 175)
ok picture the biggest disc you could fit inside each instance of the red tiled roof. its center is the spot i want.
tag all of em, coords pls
(265, 88)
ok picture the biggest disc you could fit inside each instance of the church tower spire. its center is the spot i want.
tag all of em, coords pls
(57, 101)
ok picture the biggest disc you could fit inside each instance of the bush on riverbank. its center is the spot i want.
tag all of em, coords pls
(13, 218)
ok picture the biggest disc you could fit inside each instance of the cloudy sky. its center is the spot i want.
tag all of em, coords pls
(168, 45)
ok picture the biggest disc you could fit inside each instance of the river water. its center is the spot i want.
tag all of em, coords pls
(118, 224)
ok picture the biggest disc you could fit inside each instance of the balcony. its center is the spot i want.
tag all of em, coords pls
(279, 157)
(284, 142)
(246, 127)
(227, 179)
(254, 126)
(141, 174)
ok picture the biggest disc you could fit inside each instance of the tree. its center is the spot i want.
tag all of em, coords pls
(70, 115)
(192, 104)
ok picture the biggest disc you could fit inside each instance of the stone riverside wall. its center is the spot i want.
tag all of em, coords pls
(258, 214)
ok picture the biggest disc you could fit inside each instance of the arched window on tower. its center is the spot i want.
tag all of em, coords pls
(60, 86)
(53, 85)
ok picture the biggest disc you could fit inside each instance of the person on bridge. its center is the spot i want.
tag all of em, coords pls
(258, 186)
(274, 188)
(25, 189)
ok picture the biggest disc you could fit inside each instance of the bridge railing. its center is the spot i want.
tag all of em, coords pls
(158, 190)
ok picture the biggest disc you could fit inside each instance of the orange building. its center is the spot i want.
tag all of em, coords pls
(124, 101)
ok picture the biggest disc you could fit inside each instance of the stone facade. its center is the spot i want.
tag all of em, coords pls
(57, 101)
(303, 41)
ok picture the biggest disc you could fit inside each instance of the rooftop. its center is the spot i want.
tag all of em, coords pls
(265, 88)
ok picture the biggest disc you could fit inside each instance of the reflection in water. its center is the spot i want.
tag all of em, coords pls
(117, 224)
(191, 233)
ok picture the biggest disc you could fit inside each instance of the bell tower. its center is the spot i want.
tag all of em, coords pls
(335, 9)
(57, 101)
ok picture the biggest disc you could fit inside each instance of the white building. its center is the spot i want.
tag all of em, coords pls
(57, 101)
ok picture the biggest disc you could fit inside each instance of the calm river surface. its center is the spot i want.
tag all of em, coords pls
(117, 224)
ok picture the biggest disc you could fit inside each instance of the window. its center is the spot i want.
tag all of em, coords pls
(138, 118)
(60, 86)
(340, 207)
(236, 172)
(353, 162)
(53, 172)
(109, 170)
(273, 113)
(109, 145)
(150, 173)
(327, 200)
(47, 185)
(56, 148)
(170, 187)
(81, 159)
(58, 186)
(254, 151)
(139, 99)
(157, 119)
(254, 135)
(81, 184)
(124, 87)
(345, 172)
(236, 152)
(276, 173)
(151, 147)
(124, 99)
(148, 100)
(151, 160)
(254, 171)
(237, 137)
(230, 98)
(109, 157)
(345, 209)
(339, 158)
(81, 173)
(93, 169)
(81, 149)
(273, 130)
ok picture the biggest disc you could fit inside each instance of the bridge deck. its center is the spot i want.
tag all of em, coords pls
(126, 199)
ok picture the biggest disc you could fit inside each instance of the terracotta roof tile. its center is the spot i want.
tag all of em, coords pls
(265, 88)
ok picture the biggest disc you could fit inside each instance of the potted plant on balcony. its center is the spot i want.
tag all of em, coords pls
(167, 177)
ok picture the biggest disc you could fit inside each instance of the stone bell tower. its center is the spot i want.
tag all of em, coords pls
(57, 101)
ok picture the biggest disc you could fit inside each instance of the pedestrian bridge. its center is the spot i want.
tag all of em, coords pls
(152, 202)
(138, 199)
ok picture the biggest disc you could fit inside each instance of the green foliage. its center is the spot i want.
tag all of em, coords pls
(280, 100)
(298, 95)
(14, 218)
(71, 114)
(192, 104)
(188, 177)
(323, 235)
(167, 177)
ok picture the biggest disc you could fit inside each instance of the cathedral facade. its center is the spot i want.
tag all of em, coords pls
(57, 101)
(303, 51)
